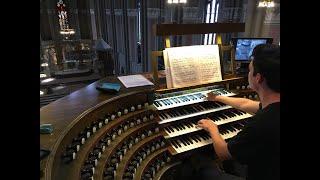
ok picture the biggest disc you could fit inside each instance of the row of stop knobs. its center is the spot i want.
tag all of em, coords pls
(74, 147)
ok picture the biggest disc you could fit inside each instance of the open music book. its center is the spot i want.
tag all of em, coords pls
(192, 65)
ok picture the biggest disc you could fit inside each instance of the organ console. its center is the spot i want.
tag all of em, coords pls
(140, 133)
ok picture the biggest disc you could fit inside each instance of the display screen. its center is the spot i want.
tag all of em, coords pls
(245, 46)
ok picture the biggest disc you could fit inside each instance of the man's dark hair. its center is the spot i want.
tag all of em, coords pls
(266, 61)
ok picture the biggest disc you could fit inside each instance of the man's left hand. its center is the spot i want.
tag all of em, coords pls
(208, 125)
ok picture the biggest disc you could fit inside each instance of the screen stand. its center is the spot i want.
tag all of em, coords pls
(243, 68)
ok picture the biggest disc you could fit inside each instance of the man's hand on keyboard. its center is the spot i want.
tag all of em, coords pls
(211, 96)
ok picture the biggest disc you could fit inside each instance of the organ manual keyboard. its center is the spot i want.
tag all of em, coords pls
(197, 140)
(180, 111)
(177, 99)
(221, 117)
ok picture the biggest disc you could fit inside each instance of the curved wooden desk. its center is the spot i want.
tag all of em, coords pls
(77, 112)
(66, 113)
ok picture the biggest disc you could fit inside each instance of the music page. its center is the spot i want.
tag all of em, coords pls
(193, 65)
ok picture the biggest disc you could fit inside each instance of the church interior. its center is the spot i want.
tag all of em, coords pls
(123, 83)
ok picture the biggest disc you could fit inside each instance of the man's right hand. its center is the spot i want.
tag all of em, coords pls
(211, 96)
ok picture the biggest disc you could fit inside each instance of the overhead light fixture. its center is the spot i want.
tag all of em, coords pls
(47, 80)
(176, 1)
(266, 3)
(63, 20)
(67, 31)
(44, 65)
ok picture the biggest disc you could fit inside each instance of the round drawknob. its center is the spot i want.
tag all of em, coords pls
(153, 171)
(144, 119)
(120, 156)
(143, 136)
(88, 134)
(106, 121)
(138, 121)
(146, 105)
(148, 151)
(73, 156)
(157, 146)
(119, 114)
(243, 87)
(248, 87)
(162, 163)
(124, 151)
(100, 124)
(162, 143)
(144, 155)
(119, 131)
(238, 87)
(125, 111)
(151, 116)
(108, 142)
(113, 117)
(256, 96)
(131, 124)
(94, 129)
(132, 108)
(125, 127)
(149, 133)
(83, 140)
(152, 148)
(250, 96)
(113, 136)
(156, 130)
(139, 106)
(139, 159)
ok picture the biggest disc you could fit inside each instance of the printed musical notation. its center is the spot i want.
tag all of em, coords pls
(192, 65)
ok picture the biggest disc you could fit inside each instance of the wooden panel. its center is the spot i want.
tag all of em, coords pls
(202, 28)
(66, 113)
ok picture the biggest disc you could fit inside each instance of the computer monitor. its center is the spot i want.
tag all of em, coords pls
(245, 46)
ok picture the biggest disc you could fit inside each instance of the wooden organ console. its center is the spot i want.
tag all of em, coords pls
(139, 133)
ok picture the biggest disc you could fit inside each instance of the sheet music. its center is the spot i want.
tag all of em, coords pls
(193, 65)
(134, 81)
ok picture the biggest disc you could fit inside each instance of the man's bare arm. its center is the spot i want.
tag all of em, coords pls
(243, 104)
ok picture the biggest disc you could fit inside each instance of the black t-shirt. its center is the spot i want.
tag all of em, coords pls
(258, 144)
